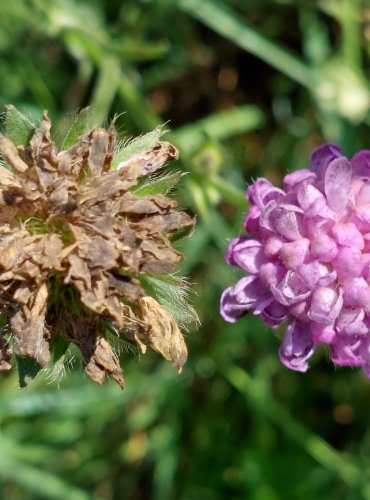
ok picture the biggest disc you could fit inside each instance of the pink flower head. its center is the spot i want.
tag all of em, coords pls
(306, 253)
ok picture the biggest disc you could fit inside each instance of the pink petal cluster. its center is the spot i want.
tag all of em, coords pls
(306, 253)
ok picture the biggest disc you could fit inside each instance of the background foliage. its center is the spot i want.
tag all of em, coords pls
(247, 87)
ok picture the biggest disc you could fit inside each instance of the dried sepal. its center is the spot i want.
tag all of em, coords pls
(5, 355)
(98, 356)
(162, 332)
(27, 324)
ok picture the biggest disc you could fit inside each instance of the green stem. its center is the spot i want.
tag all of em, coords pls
(231, 193)
(351, 46)
(226, 23)
(106, 87)
(137, 104)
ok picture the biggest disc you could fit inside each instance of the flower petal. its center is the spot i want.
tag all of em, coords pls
(310, 199)
(322, 156)
(252, 221)
(348, 235)
(338, 177)
(361, 164)
(271, 273)
(356, 293)
(323, 334)
(322, 222)
(349, 263)
(230, 252)
(273, 245)
(299, 311)
(247, 294)
(350, 322)
(291, 289)
(274, 314)
(326, 303)
(346, 351)
(310, 273)
(249, 255)
(363, 195)
(303, 174)
(294, 253)
(262, 191)
(231, 310)
(323, 248)
(297, 347)
(285, 222)
(266, 221)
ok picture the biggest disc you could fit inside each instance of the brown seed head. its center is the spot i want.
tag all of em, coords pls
(75, 240)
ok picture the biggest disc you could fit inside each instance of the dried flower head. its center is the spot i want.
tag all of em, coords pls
(307, 255)
(82, 240)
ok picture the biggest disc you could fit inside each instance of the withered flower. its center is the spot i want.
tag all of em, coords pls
(83, 238)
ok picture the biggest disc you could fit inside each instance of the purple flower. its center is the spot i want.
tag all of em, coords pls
(306, 252)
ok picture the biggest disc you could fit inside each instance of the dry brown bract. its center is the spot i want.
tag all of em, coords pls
(68, 223)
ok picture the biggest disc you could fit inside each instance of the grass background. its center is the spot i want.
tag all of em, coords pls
(247, 88)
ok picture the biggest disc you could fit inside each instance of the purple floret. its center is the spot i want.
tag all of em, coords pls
(306, 254)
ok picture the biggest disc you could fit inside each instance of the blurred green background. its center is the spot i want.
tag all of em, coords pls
(247, 88)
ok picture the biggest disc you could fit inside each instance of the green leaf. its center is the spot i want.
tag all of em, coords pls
(28, 368)
(218, 126)
(137, 145)
(58, 348)
(18, 127)
(158, 185)
(181, 234)
(170, 292)
(80, 124)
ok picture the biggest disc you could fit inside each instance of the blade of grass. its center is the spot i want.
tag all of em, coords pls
(315, 36)
(106, 88)
(227, 24)
(218, 126)
(197, 195)
(351, 29)
(229, 192)
(136, 104)
(195, 246)
(138, 50)
(314, 445)
(69, 401)
(220, 232)
(35, 82)
(36, 481)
